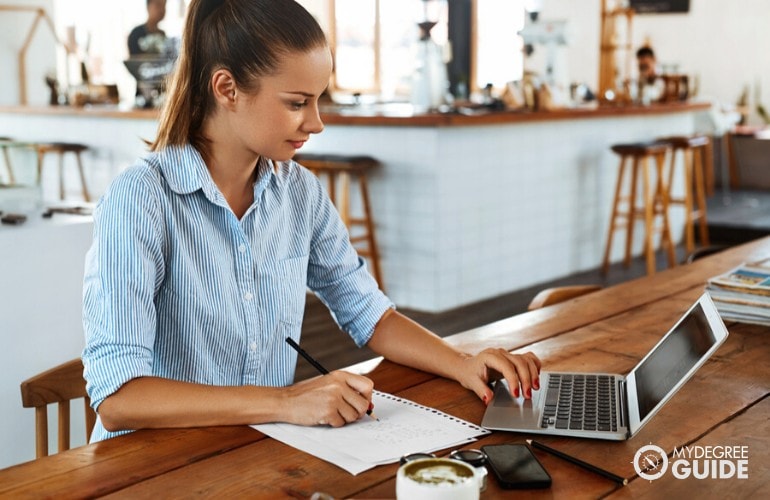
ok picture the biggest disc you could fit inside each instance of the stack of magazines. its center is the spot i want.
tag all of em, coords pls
(743, 294)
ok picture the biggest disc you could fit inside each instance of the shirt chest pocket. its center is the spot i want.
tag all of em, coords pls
(283, 289)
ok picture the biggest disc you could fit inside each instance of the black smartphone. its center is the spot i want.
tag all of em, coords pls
(516, 467)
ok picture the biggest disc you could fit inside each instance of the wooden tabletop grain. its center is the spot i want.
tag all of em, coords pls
(724, 404)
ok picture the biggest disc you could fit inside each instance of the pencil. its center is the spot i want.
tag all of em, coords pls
(578, 462)
(323, 371)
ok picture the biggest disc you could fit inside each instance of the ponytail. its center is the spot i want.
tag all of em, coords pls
(246, 37)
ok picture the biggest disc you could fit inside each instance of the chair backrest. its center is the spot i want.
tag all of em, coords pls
(57, 385)
(551, 296)
(702, 252)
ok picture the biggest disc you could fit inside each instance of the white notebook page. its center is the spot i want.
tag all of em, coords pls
(403, 427)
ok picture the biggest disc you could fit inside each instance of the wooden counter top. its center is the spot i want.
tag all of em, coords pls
(105, 111)
(399, 116)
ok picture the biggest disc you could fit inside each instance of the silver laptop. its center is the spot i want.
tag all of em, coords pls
(607, 405)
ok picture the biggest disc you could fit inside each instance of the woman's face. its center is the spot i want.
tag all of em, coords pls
(277, 120)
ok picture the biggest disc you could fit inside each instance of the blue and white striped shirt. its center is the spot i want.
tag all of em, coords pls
(177, 287)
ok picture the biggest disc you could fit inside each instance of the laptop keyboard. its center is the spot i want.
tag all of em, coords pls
(580, 402)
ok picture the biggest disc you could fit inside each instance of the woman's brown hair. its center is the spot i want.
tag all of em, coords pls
(245, 37)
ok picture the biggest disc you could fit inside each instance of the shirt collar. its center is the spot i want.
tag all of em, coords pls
(186, 172)
(183, 168)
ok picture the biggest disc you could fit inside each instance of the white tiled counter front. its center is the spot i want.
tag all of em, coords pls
(465, 213)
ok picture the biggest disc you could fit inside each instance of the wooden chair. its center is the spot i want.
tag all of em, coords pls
(702, 252)
(57, 385)
(551, 296)
(340, 171)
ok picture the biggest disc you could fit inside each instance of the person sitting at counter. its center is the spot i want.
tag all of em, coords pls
(150, 56)
(648, 70)
(651, 86)
(204, 249)
(148, 38)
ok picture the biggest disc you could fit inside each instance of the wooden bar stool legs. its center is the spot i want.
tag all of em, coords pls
(661, 206)
(60, 149)
(701, 163)
(341, 172)
(695, 154)
(370, 248)
(4, 144)
(616, 213)
(708, 167)
(654, 203)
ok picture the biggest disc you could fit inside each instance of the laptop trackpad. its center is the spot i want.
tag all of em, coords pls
(509, 413)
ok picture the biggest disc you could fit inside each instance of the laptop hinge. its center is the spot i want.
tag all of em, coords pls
(622, 393)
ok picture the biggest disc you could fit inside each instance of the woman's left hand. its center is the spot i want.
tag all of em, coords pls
(521, 371)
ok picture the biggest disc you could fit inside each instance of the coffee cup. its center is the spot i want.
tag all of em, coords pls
(437, 479)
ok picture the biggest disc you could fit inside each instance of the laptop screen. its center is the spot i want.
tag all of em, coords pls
(672, 359)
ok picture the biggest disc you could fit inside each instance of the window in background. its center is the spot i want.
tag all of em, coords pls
(321, 10)
(498, 47)
(356, 37)
(373, 41)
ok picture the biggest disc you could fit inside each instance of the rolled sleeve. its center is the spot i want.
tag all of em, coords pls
(340, 277)
(123, 269)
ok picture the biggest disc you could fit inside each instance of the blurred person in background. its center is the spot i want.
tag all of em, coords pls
(148, 38)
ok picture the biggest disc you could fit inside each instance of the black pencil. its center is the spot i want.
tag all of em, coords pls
(578, 462)
(318, 366)
(307, 356)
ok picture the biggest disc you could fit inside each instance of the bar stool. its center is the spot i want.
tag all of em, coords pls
(5, 143)
(61, 148)
(695, 155)
(341, 169)
(654, 202)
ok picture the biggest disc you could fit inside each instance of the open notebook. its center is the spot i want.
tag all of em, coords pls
(403, 427)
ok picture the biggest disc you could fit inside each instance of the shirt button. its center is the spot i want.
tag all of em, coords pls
(242, 248)
(253, 346)
(247, 296)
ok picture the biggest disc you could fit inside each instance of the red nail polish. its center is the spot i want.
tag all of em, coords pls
(537, 383)
(516, 392)
(529, 393)
(484, 398)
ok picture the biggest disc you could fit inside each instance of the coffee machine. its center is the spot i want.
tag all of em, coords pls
(150, 72)
(430, 80)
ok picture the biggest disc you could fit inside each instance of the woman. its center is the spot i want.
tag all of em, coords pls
(203, 250)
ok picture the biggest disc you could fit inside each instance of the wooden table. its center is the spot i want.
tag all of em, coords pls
(724, 404)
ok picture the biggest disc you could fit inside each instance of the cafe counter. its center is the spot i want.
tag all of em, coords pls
(467, 206)
(393, 114)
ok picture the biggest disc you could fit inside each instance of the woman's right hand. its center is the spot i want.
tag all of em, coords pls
(335, 399)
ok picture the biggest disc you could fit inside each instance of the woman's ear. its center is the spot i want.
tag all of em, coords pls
(223, 87)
